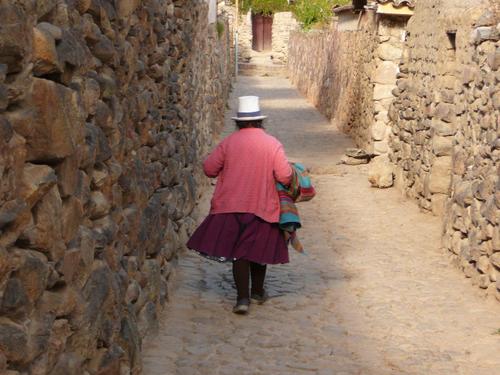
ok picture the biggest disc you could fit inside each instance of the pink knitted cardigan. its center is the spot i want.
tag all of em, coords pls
(247, 165)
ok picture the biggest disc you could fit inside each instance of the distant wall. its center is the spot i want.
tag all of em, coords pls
(333, 70)
(105, 109)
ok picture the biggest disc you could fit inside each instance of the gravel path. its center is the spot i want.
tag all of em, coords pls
(375, 295)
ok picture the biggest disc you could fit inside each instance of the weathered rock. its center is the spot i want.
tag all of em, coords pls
(385, 73)
(99, 205)
(37, 181)
(442, 146)
(73, 50)
(484, 33)
(440, 176)
(381, 172)
(13, 340)
(11, 210)
(389, 52)
(44, 53)
(15, 37)
(52, 135)
(495, 259)
(45, 233)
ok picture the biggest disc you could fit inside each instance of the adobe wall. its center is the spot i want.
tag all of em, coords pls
(105, 109)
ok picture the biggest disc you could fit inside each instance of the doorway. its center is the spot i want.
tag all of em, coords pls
(262, 33)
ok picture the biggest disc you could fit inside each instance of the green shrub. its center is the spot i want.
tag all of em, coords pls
(314, 12)
(265, 7)
(220, 28)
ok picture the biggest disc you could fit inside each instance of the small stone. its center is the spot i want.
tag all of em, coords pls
(494, 59)
(10, 211)
(44, 53)
(483, 264)
(387, 51)
(438, 203)
(37, 181)
(104, 49)
(13, 340)
(484, 33)
(53, 30)
(381, 172)
(495, 259)
(99, 205)
(126, 7)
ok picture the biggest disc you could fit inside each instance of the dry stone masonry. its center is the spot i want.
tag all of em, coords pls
(430, 107)
(105, 108)
(445, 120)
(332, 68)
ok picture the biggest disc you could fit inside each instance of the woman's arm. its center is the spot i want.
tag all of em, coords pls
(282, 168)
(214, 162)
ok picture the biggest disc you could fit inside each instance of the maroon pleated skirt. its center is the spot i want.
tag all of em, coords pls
(226, 237)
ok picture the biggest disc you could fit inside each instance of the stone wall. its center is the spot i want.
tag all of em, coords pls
(333, 69)
(429, 100)
(105, 108)
(283, 24)
(445, 125)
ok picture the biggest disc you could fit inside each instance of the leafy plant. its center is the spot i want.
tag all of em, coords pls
(220, 28)
(265, 7)
(313, 12)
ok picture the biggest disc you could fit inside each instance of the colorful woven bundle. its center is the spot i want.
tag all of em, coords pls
(299, 190)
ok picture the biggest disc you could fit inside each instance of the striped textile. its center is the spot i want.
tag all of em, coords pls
(299, 190)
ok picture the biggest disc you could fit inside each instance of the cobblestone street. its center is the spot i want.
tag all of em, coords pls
(375, 294)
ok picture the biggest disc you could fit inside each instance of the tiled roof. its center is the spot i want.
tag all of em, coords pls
(399, 3)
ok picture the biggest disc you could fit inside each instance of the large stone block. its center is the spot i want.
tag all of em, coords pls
(389, 52)
(385, 73)
(381, 92)
(440, 175)
(51, 134)
(442, 146)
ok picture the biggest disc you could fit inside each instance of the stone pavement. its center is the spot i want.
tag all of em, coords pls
(374, 296)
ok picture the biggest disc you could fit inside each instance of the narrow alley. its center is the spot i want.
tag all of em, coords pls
(374, 295)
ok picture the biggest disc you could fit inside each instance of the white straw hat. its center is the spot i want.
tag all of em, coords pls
(248, 109)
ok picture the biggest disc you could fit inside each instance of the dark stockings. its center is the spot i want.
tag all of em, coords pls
(242, 270)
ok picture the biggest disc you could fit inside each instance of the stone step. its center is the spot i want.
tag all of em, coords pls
(270, 70)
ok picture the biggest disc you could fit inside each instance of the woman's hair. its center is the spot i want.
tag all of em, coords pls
(249, 124)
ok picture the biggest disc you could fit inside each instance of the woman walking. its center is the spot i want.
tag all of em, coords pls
(242, 226)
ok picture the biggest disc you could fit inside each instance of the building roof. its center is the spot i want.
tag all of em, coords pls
(399, 3)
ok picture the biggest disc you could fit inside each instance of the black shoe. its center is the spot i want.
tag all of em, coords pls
(242, 306)
(259, 298)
